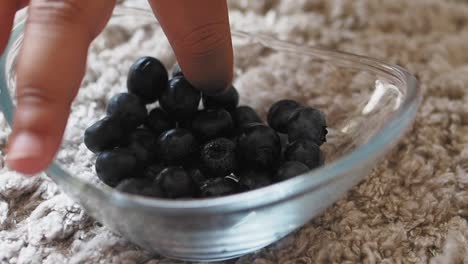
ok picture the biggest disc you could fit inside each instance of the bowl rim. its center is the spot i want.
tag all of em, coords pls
(376, 146)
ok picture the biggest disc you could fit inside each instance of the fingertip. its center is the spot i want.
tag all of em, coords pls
(38, 126)
(211, 82)
(211, 73)
(200, 36)
(27, 166)
(27, 153)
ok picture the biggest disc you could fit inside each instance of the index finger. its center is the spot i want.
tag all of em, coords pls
(200, 36)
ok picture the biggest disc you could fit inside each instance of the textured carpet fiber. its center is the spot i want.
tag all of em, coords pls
(411, 209)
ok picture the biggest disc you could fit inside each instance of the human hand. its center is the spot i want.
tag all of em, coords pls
(52, 62)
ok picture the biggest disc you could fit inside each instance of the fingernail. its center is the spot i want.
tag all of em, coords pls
(25, 145)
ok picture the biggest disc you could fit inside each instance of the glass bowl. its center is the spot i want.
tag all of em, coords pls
(369, 106)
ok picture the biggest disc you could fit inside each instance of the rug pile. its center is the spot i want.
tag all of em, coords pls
(413, 208)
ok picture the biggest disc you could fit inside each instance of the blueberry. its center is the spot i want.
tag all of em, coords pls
(116, 165)
(105, 134)
(309, 123)
(159, 121)
(143, 155)
(279, 113)
(147, 78)
(221, 186)
(143, 187)
(128, 109)
(283, 142)
(197, 176)
(176, 183)
(233, 137)
(259, 146)
(176, 146)
(187, 124)
(143, 137)
(289, 170)
(177, 71)
(244, 115)
(227, 100)
(254, 179)
(180, 99)
(212, 123)
(152, 171)
(218, 157)
(304, 151)
(142, 143)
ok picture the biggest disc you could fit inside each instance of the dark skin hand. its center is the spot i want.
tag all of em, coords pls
(197, 30)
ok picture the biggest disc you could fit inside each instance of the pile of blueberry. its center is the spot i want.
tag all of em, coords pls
(179, 151)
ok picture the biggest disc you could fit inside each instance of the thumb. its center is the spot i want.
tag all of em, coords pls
(50, 69)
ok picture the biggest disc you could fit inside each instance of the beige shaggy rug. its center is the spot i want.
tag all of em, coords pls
(413, 208)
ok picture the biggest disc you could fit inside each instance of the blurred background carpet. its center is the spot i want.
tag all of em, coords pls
(413, 208)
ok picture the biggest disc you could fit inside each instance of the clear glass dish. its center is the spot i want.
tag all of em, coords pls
(369, 105)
